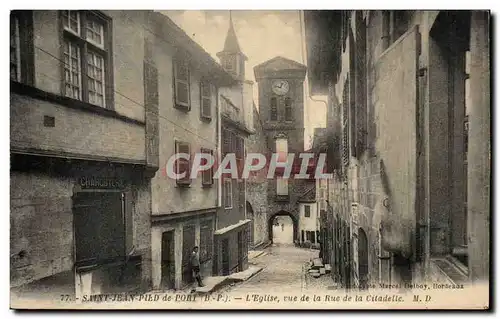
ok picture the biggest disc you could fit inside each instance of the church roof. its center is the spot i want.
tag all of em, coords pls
(278, 65)
(280, 62)
(309, 196)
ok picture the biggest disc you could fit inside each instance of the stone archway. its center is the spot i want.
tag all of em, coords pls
(251, 226)
(295, 225)
(362, 258)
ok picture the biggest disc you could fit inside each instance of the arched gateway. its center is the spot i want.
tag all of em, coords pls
(276, 217)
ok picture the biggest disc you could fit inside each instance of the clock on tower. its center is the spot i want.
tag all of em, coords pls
(280, 87)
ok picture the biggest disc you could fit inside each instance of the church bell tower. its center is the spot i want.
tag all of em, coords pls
(231, 57)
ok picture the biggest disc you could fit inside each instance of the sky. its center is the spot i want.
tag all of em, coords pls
(262, 35)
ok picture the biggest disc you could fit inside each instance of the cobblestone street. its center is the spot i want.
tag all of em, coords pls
(284, 271)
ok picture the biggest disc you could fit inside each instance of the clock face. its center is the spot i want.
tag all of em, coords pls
(280, 87)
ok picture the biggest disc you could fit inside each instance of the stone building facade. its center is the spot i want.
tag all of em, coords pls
(233, 235)
(184, 209)
(408, 115)
(257, 185)
(83, 151)
(281, 111)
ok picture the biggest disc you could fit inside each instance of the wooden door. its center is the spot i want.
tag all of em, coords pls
(168, 260)
(225, 256)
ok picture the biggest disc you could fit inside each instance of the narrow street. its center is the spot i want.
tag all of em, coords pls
(284, 270)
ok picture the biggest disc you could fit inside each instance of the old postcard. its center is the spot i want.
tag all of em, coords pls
(250, 159)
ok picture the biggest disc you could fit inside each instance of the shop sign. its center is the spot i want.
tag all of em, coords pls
(92, 182)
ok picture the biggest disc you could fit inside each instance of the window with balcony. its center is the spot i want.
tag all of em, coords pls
(87, 56)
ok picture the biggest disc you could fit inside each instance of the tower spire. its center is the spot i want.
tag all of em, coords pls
(231, 44)
(231, 57)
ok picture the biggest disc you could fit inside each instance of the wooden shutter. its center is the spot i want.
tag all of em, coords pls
(181, 85)
(99, 227)
(188, 243)
(86, 229)
(152, 120)
(206, 100)
(183, 165)
(112, 227)
(239, 154)
(397, 118)
(207, 175)
(128, 206)
(228, 193)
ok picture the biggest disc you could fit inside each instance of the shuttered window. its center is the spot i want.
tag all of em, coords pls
(207, 174)
(228, 193)
(274, 109)
(205, 100)
(182, 165)
(307, 211)
(181, 85)
(239, 151)
(288, 109)
(226, 141)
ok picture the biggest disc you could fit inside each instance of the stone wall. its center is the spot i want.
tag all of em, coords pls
(257, 185)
